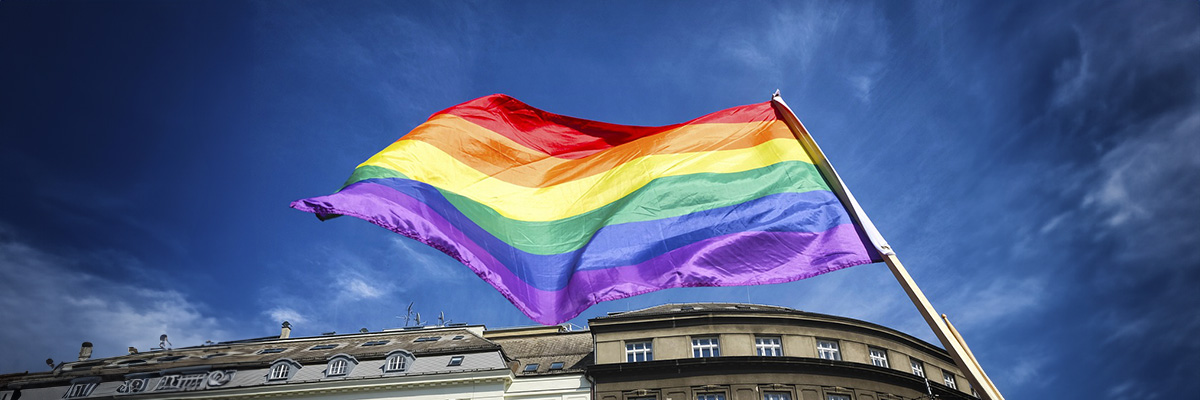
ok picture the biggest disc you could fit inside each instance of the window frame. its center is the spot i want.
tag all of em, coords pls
(918, 367)
(786, 394)
(713, 347)
(882, 358)
(337, 367)
(836, 351)
(397, 361)
(347, 368)
(949, 380)
(531, 367)
(455, 361)
(273, 373)
(838, 396)
(647, 350)
(280, 372)
(776, 347)
(717, 395)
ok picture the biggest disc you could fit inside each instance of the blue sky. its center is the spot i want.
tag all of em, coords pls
(1034, 165)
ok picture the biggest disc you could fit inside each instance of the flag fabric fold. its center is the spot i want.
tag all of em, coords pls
(560, 213)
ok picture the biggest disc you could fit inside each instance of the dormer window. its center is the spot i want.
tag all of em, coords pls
(395, 364)
(337, 367)
(282, 370)
(340, 365)
(397, 361)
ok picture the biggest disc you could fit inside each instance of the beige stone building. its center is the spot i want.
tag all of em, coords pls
(755, 352)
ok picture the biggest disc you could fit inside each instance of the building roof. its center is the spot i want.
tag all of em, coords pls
(537, 353)
(430, 343)
(700, 307)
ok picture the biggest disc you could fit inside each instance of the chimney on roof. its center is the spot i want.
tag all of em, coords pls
(287, 330)
(85, 351)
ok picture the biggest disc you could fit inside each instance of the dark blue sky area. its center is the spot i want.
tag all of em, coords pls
(1034, 164)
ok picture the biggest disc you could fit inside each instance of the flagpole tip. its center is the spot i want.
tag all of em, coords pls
(776, 94)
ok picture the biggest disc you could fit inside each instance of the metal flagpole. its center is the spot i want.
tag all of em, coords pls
(973, 372)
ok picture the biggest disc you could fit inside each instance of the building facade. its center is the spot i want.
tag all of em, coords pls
(755, 352)
(702, 351)
(418, 364)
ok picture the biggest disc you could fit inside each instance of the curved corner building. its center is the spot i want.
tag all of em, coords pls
(721, 351)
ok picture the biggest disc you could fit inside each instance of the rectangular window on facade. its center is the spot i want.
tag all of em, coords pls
(948, 378)
(837, 397)
(777, 396)
(639, 351)
(710, 396)
(455, 361)
(768, 346)
(706, 347)
(918, 367)
(878, 357)
(828, 349)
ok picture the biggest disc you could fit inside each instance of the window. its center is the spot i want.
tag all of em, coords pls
(828, 349)
(706, 347)
(948, 378)
(323, 347)
(768, 346)
(428, 339)
(639, 351)
(777, 396)
(375, 343)
(269, 351)
(878, 357)
(336, 368)
(280, 371)
(531, 367)
(837, 397)
(169, 358)
(710, 396)
(395, 363)
(556, 365)
(459, 337)
(455, 361)
(918, 367)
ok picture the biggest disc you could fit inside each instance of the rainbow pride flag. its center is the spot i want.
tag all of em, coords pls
(560, 213)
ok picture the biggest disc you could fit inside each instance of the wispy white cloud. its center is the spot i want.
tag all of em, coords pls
(49, 313)
(996, 302)
(286, 314)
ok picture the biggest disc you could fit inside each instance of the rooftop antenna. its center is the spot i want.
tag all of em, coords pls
(441, 318)
(50, 362)
(163, 342)
(408, 315)
(363, 330)
(419, 319)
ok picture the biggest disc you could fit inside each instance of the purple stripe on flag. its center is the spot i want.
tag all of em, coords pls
(744, 258)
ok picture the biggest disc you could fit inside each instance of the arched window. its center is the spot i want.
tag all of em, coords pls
(337, 367)
(340, 365)
(397, 361)
(280, 371)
